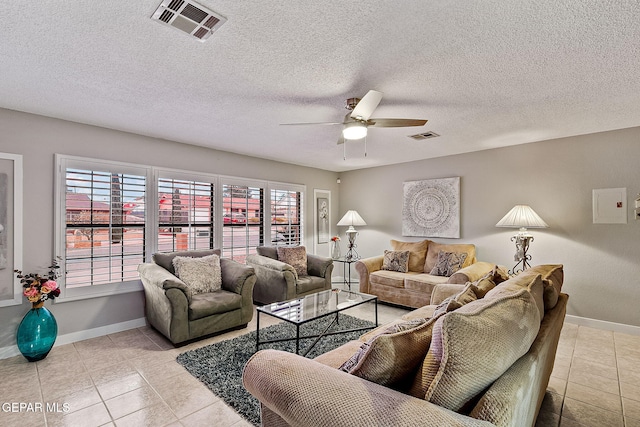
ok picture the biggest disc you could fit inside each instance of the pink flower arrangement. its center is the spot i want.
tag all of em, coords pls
(39, 288)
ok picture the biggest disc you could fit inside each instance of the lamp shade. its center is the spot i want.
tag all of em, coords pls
(355, 130)
(522, 216)
(351, 218)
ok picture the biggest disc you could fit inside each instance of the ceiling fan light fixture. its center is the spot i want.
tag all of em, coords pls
(355, 130)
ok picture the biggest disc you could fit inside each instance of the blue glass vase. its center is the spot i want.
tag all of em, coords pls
(37, 333)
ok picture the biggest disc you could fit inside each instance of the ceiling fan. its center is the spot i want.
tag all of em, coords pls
(359, 118)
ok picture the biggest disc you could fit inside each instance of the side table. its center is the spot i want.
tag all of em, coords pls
(346, 265)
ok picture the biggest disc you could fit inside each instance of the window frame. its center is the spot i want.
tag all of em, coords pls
(64, 162)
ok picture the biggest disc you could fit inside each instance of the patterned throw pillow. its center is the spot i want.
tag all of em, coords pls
(465, 296)
(448, 263)
(295, 256)
(396, 261)
(200, 274)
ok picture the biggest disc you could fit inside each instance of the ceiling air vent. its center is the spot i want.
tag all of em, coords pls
(189, 17)
(425, 135)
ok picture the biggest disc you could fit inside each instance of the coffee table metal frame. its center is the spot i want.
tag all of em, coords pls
(283, 310)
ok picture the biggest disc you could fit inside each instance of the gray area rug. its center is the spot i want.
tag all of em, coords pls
(219, 366)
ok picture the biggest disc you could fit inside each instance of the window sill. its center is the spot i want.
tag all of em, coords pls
(79, 294)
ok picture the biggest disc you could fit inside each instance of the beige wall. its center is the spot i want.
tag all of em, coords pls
(38, 138)
(556, 178)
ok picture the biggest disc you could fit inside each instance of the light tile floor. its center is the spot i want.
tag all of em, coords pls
(131, 378)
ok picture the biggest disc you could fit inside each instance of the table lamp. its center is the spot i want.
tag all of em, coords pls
(351, 218)
(522, 217)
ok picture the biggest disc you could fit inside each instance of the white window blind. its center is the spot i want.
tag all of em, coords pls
(186, 215)
(286, 217)
(243, 220)
(104, 227)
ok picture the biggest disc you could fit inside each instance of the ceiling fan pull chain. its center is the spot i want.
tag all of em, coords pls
(365, 146)
(344, 150)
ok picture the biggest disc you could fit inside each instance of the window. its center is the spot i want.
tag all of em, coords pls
(286, 213)
(105, 229)
(186, 214)
(242, 219)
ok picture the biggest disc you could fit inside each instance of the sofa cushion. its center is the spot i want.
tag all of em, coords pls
(309, 283)
(417, 253)
(422, 282)
(530, 281)
(396, 261)
(448, 263)
(388, 278)
(434, 249)
(201, 275)
(552, 279)
(474, 345)
(392, 357)
(165, 259)
(207, 304)
(295, 256)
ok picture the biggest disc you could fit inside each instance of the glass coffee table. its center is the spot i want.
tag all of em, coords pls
(302, 310)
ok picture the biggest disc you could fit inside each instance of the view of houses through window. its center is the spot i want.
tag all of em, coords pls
(107, 217)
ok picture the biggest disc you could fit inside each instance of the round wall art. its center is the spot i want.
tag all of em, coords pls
(431, 208)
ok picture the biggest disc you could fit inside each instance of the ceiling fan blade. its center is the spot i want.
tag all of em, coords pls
(367, 105)
(305, 124)
(395, 123)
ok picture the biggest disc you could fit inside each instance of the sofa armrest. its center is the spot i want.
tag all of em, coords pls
(471, 273)
(365, 267)
(304, 392)
(234, 275)
(318, 265)
(270, 263)
(443, 291)
(153, 275)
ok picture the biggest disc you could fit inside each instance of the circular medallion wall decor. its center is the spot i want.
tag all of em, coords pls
(431, 208)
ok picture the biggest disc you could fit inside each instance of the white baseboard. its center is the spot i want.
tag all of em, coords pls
(72, 337)
(603, 325)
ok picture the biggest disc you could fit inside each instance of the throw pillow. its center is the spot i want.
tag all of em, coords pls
(417, 253)
(295, 256)
(392, 357)
(165, 259)
(200, 274)
(396, 261)
(474, 345)
(464, 297)
(448, 263)
(435, 248)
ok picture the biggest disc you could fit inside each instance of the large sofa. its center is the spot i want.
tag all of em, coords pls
(469, 362)
(413, 288)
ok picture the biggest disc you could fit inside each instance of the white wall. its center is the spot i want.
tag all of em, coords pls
(556, 178)
(38, 138)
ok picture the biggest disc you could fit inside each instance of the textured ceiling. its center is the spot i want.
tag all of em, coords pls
(486, 74)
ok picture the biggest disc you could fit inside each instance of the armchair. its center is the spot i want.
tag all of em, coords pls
(182, 316)
(279, 281)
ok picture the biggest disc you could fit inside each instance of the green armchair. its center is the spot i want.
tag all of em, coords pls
(278, 281)
(181, 316)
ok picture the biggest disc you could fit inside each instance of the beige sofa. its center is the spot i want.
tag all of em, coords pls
(488, 363)
(414, 288)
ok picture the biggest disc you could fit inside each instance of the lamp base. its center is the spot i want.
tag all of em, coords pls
(522, 257)
(352, 254)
